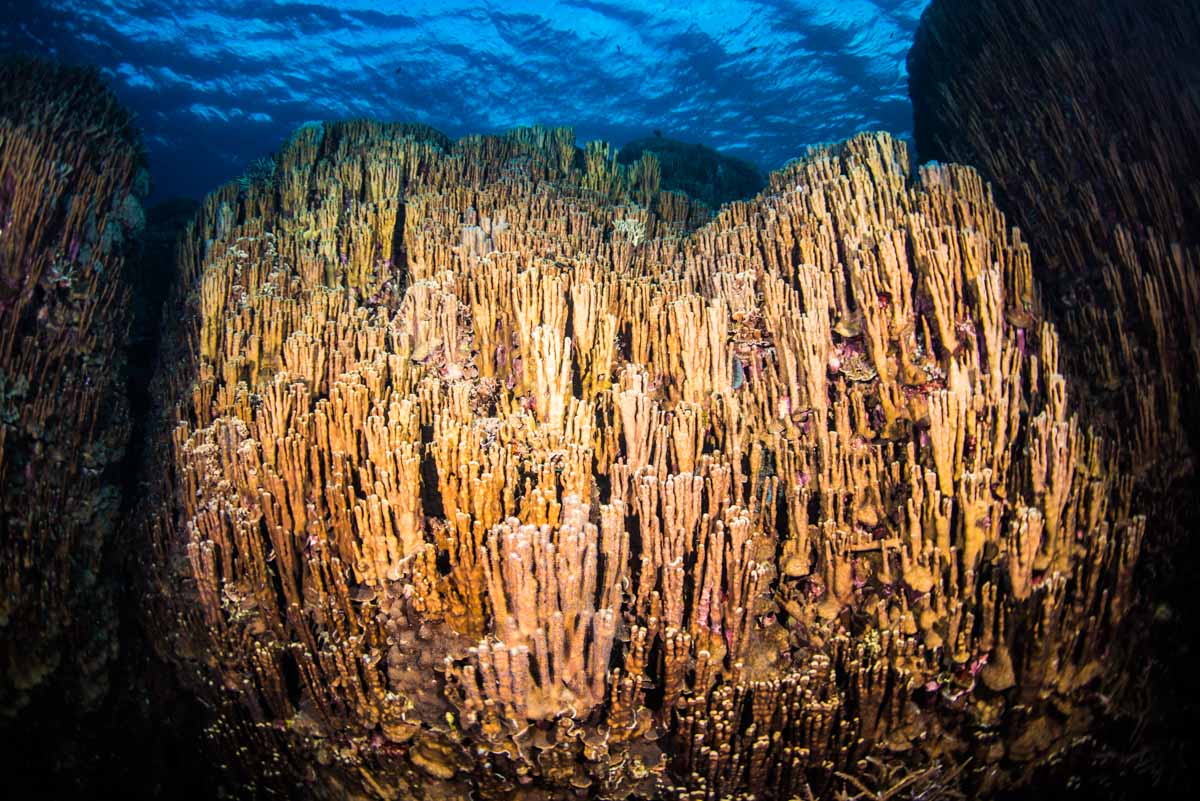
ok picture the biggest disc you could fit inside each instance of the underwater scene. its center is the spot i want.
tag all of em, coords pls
(787, 400)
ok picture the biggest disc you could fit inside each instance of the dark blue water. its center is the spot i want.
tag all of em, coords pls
(218, 83)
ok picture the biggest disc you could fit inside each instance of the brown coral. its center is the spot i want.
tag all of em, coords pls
(492, 474)
(1100, 173)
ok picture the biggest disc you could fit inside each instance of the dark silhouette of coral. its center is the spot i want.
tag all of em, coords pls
(69, 162)
(704, 174)
(71, 174)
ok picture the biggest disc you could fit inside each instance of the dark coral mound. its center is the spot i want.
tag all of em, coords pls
(1085, 115)
(700, 172)
(68, 214)
(491, 472)
(71, 173)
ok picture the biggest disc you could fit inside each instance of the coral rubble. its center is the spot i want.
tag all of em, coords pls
(489, 471)
(70, 163)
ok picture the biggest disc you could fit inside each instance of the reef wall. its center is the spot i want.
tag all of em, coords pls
(1084, 115)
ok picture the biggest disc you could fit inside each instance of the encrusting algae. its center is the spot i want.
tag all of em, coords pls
(492, 471)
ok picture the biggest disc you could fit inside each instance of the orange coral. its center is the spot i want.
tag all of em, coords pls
(492, 474)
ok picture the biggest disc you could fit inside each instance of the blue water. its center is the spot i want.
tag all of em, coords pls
(218, 83)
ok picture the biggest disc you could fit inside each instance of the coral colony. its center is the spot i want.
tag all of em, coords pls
(493, 469)
(69, 160)
(515, 526)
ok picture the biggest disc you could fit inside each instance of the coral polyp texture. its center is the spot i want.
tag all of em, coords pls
(492, 471)
(68, 213)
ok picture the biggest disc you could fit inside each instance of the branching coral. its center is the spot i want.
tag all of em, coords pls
(1091, 141)
(468, 490)
(68, 211)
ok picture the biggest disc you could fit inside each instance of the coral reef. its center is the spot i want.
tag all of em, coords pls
(1085, 115)
(486, 472)
(70, 174)
(1092, 146)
